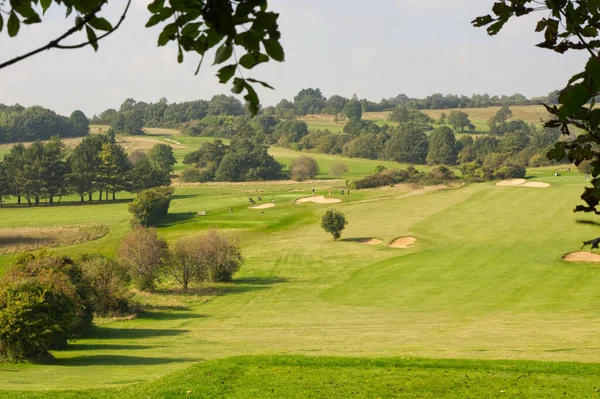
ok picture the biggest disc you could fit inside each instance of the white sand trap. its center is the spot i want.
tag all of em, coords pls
(511, 182)
(263, 206)
(319, 199)
(402, 242)
(537, 184)
(582, 256)
(522, 183)
(369, 241)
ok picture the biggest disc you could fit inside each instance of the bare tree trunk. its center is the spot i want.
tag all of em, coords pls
(19, 200)
(81, 196)
(90, 196)
(37, 200)
(100, 196)
(114, 197)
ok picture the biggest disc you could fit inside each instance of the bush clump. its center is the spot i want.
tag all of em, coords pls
(151, 205)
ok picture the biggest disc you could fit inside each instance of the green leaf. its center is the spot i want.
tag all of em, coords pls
(100, 24)
(223, 53)
(274, 49)
(161, 16)
(191, 29)
(1, 22)
(45, 5)
(238, 85)
(226, 73)
(249, 61)
(167, 34)
(180, 56)
(13, 25)
(573, 98)
(156, 6)
(260, 82)
(91, 37)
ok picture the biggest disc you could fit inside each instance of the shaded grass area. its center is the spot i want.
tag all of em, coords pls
(331, 377)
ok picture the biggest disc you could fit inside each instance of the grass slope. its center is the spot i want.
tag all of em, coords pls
(313, 377)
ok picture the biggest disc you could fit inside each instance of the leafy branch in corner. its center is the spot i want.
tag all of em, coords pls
(196, 26)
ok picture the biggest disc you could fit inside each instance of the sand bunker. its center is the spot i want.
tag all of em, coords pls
(582, 256)
(511, 182)
(522, 183)
(319, 199)
(263, 206)
(402, 242)
(535, 184)
(369, 241)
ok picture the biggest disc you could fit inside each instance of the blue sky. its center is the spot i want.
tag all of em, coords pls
(376, 49)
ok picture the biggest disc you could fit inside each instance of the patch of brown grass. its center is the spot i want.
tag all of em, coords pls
(31, 238)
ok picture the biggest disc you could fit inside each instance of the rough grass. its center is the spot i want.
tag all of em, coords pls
(23, 239)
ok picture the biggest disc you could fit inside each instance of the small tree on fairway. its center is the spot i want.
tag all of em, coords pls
(144, 254)
(187, 261)
(334, 222)
(303, 168)
(339, 169)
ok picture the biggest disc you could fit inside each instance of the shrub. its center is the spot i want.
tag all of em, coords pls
(438, 175)
(334, 222)
(143, 254)
(108, 280)
(473, 171)
(38, 311)
(42, 262)
(303, 168)
(196, 175)
(510, 171)
(380, 168)
(388, 177)
(150, 205)
(221, 255)
(339, 169)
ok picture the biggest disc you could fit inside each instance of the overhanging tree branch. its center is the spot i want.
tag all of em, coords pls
(78, 26)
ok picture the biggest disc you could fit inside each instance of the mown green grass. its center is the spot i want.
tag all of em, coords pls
(485, 280)
(314, 377)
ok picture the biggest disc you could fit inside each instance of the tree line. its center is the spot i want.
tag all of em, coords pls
(45, 171)
(18, 124)
(419, 139)
(312, 101)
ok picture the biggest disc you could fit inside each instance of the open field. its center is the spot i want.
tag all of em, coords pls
(479, 117)
(484, 280)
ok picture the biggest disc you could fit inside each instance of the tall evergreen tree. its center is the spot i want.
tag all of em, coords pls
(54, 169)
(13, 164)
(84, 163)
